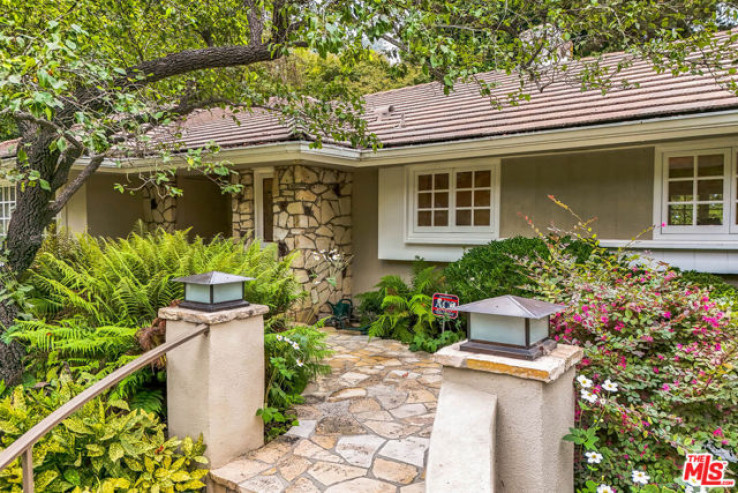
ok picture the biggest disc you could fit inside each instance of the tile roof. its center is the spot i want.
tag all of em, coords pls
(424, 114)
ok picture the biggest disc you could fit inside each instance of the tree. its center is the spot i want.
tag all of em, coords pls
(90, 81)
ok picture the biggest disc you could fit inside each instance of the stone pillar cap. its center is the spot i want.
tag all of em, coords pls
(212, 318)
(545, 369)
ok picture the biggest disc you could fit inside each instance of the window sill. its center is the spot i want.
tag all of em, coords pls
(660, 244)
(460, 239)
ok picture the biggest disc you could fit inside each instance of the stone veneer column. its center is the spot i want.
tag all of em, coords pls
(243, 207)
(158, 211)
(500, 423)
(312, 209)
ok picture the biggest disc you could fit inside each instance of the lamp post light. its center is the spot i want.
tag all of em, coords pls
(509, 326)
(213, 291)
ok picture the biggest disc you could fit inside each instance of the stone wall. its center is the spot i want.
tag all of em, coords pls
(158, 211)
(312, 208)
(312, 216)
(243, 207)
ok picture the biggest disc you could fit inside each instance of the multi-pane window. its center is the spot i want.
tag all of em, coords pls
(433, 199)
(473, 198)
(696, 190)
(453, 199)
(7, 206)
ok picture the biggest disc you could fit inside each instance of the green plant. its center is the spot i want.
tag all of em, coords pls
(424, 342)
(104, 447)
(405, 310)
(91, 296)
(294, 358)
(495, 269)
(719, 288)
(658, 378)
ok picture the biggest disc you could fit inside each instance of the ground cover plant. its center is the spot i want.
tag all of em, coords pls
(103, 447)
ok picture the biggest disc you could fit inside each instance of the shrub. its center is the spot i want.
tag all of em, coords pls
(103, 447)
(293, 358)
(90, 298)
(405, 310)
(495, 269)
(492, 270)
(659, 374)
(716, 284)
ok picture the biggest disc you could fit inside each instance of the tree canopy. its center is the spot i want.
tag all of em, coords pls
(89, 81)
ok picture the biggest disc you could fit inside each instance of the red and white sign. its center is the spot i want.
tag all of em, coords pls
(703, 470)
(444, 305)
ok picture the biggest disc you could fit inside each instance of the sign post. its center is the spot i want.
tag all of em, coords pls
(444, 306)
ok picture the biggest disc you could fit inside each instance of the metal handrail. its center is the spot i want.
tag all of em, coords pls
(23, 446)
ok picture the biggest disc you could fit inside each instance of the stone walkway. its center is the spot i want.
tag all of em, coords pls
(364, 428)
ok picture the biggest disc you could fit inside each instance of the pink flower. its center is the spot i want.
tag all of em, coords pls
(667, 315)
(666, 387)
(663, 225)
(718, 432)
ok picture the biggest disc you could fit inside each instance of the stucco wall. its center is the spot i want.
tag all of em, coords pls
(73, 217)
(367, 267)
(203, 208)
(110, 213)
(614, 186)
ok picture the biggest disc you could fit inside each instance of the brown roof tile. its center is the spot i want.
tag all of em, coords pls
(424, 114)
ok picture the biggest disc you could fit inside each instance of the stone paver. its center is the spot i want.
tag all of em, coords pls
(364, 428)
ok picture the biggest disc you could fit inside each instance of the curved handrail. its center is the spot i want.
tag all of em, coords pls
(23, 445)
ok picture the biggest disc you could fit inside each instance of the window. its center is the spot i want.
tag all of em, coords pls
(263, 204)
(697, 194)
(7, 206)
(454, 204)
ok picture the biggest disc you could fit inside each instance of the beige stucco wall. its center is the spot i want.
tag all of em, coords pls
(614, 186)
(109, 212)
(73, 217)
(203, 208)
(368, 269)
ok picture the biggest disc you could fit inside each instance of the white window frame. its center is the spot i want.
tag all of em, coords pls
(451, 234)
(10, 206)
(259, 176)
(729, 229)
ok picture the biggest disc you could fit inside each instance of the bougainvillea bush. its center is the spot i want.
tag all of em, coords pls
(658, 378)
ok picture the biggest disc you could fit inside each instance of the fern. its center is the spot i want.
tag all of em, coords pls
(90, 297)
(405, 310)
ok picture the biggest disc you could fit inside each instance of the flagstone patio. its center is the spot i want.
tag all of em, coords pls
(364, 428)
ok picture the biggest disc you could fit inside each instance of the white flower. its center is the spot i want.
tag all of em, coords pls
(280, 338)
(589, 396)
(640, 477)
(584, 381)
(296, 346)
(603, 488)
(300, 363)
(610, 386)
(688, 489)
(593, 457)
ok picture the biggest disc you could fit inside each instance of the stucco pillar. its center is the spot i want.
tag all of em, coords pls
(534, 410)
(215, 383)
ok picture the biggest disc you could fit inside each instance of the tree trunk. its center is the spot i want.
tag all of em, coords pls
(25, 236)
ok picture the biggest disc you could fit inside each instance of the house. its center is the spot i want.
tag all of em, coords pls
(455, 172)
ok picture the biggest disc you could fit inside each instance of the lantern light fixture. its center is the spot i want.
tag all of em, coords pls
(509, 326)
(213, 291)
